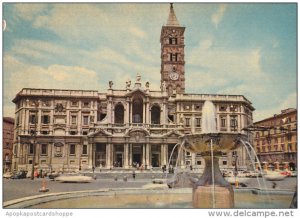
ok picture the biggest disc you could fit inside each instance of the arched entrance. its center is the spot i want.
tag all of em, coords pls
(137, 110)
(119, 114)
(155, 114)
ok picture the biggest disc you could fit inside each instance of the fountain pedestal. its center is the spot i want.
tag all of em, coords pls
(212, 191)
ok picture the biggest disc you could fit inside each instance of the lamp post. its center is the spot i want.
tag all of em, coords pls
(33, 141)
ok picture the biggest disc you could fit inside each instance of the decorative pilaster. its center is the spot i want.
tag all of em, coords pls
(126, 156)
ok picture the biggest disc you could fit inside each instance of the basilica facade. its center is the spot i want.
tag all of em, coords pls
(123, 128)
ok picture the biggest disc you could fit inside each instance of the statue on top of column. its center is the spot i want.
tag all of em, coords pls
(110, 83)
(128, 83)
(138, 77)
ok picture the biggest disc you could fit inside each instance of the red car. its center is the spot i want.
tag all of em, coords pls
(286, 173)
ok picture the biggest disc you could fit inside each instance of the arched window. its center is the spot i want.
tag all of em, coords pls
(137, 110)
(155, 114)
(119, 114)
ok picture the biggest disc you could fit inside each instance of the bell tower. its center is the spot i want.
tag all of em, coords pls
(172, 55)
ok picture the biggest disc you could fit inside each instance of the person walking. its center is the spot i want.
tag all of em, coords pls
(133, 175)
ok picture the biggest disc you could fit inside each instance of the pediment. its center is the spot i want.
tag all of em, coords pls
(173, 133)
(133, 131)
(136, 91)
(100, 132)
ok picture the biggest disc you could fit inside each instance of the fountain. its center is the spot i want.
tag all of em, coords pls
(211, 190)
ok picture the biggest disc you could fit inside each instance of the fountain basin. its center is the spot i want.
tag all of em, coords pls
(142, 198)
(74, 179)
(201, 142)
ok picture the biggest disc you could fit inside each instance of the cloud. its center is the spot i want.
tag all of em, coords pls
(289, 102)
(217, 17)
(244, 64)
(29, 11)
(137, 32)
(18, 75)
(38, 49)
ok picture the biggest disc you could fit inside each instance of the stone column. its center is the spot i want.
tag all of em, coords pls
(127, 110)
(243, 116)
(144, 155)
(90, 155)
(108, 156)
(239, 122)
(39, 119)
(228, 124)
(130, 155)
(112, 154)
(22, 113)
(130, 113)
(51, 121)
(50, 152)
(162, 114)
(144, 114)
(126, 156)
(38, 153)
(94, 154)
(164, 155)
(109, 111)
(79, 119)
(68, 123)
(148, 155)
(193, 123)
(26, 122)
(147, 115)
(178, 114)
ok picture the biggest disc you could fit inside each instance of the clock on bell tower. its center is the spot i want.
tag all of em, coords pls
(172, 55)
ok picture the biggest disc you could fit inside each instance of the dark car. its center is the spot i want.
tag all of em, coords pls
(19, 175)
(53, 175)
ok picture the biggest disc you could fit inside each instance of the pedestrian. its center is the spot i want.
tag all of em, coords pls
(93, 168)
(191, 168)
(133, 175)
(164, 168)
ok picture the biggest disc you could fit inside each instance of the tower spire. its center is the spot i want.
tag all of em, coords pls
(172, 19)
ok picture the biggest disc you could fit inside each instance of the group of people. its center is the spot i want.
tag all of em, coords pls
(138, 166)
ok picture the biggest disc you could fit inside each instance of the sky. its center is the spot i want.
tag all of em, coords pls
(235, 48)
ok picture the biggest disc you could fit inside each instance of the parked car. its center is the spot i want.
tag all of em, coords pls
(243, 173)
(253, 174)
(53, 175)
(19, 175)
(286, 173)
